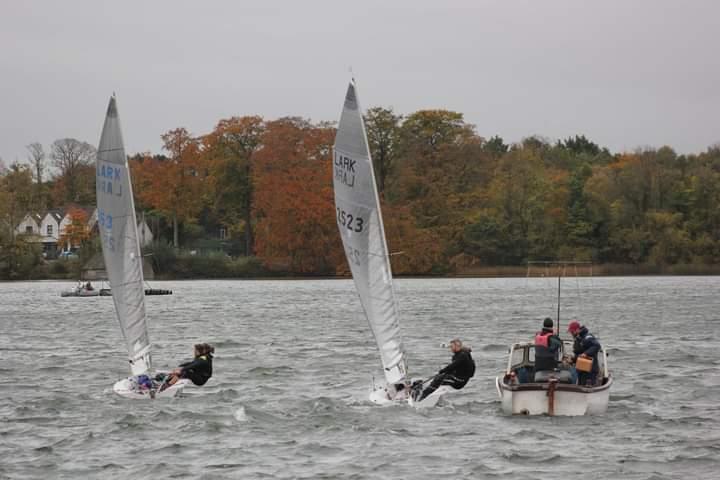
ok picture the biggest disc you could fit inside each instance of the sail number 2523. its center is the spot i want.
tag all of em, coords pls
(347, 220)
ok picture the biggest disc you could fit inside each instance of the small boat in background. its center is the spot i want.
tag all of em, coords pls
(157, 291)
(81, 290)
(85, 289)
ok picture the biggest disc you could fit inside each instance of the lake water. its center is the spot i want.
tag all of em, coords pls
(294, 361)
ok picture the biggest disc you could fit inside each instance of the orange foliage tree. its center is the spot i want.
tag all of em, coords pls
(77, 231)
(294, 210)
(174, 185)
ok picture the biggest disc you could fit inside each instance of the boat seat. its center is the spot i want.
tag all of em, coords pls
(544, 376)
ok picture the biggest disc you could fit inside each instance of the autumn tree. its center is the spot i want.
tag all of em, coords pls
(17, 196)
(495, 146)
(36, 157)
(230, 149)
(173, 185)
(77, 231)
(294, 203)
(74, 160)
(17, 257)
(383, 133)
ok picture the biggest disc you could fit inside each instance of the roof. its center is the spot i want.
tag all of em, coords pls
(56, 213)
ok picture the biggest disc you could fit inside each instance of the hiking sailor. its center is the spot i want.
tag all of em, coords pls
(456, 374)
(198, 371)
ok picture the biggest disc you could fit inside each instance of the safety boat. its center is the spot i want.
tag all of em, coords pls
(123, 261)
(81, 290)
(359, 220)
(525, 391)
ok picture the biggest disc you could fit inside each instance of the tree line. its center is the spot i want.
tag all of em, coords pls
(452, 199)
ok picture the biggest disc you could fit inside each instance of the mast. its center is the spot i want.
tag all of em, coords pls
(558, 304)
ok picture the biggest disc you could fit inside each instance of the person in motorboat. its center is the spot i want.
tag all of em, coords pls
(547, 347)
(585, 345)
(456, 374)
(198, 370)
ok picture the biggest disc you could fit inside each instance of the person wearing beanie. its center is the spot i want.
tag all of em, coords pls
(586, 345)
(548, 347)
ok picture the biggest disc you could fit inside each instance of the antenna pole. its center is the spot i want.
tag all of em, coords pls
(558, 312)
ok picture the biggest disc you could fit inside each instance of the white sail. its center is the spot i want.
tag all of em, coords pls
(363, 236)
(119, 237)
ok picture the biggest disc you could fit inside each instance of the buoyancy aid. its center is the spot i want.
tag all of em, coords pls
(542, 339)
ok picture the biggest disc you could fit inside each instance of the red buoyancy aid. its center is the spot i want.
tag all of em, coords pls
(542, 339)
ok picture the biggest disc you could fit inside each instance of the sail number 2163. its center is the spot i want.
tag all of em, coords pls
(347, 220)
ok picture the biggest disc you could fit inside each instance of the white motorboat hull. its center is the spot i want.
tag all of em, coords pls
(128, 388)
(80, 293)
(565, 400)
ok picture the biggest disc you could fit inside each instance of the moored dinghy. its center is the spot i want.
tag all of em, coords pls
(361, 228)
(525, 391)
(123, 260)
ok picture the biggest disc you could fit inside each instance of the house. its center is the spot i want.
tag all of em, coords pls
(30, 225)
(49, 227)
(145, 234)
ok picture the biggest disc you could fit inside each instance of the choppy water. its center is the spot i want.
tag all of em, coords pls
(293, 366)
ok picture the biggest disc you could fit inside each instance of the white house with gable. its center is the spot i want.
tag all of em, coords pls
(50, 226)
(30, 225)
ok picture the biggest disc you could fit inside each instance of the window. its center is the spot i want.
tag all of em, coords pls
(223, 234)
(49, 230)
(29, 230)
(517, 357)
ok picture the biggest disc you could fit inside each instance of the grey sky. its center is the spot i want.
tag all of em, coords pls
(625, 73)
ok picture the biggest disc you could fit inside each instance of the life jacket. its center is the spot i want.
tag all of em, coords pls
(542, 339)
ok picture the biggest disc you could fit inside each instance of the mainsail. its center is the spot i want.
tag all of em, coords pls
(119, 238)
(361, 229)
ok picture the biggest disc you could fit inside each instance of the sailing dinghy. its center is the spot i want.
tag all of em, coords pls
(357, 208)
(121, 250)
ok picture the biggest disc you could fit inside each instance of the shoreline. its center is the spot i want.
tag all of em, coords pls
(608, 270)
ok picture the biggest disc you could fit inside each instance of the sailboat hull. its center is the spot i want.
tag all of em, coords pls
(382, 396)
(128, 388)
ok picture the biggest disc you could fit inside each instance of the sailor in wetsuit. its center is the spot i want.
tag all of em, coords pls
(198, 371)
(456, 374)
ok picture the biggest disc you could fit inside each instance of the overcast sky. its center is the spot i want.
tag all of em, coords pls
(625, 73)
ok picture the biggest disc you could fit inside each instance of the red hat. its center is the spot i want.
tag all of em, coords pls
(574, 326)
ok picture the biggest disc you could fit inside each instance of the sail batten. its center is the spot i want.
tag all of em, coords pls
(119, 239)
(360, 223)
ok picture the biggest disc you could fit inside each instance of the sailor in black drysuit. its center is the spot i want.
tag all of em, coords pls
(587, 345)
(198, 370)
(547, 347)
(456, 374)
